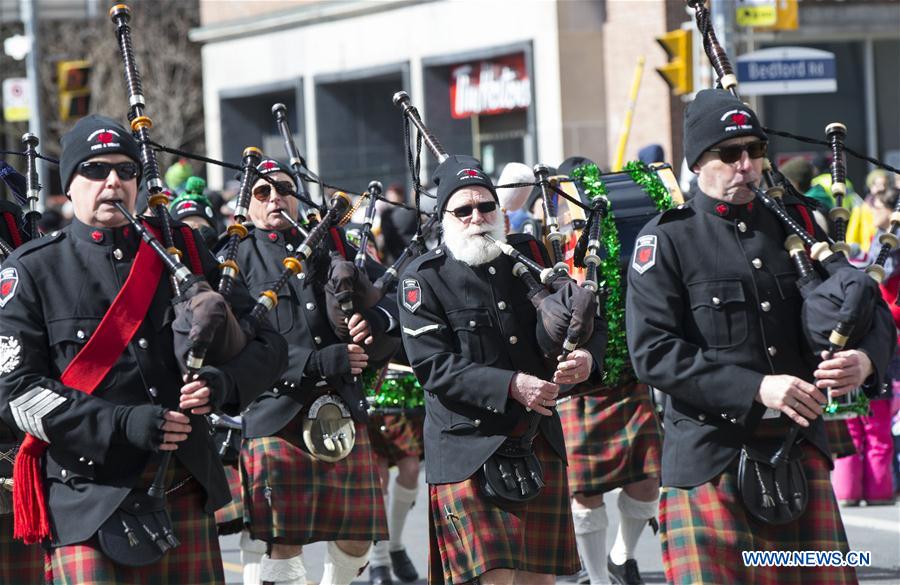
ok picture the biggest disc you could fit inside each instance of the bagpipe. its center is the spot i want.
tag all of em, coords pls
(838, 310)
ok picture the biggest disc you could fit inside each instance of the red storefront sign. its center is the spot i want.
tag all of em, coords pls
(490, 87)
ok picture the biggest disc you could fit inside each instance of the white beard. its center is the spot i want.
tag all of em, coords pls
(468, 246)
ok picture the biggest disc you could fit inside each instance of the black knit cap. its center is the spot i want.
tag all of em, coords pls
(457, 172)
(270, 165)
(715, 116)
(92, 136)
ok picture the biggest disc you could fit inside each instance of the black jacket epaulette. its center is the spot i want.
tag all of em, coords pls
(36, 244)
(680, 211)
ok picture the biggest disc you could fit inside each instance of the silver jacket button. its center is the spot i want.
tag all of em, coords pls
(742, 226)
(701, 417)
(117, 254)
(477, 422)
(311, 306)
(766, 306)
(317, 339)
(471, 323)
(80, 334)
(716, 301)
(153, 391)
(513, 339)
(143, 343)
(757, 263)
(501, 305)
(772, 350)
(492, 270)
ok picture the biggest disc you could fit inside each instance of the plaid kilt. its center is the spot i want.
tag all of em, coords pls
(612, 438)
(470, 536)
(19, 563)
(230, 519)
(704, 530)
(292, 498)
(197, 560)
(839, 438)
(397, 436)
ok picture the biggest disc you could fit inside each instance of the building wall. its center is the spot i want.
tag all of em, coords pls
(216, 11)
(630, 32)
(405, 34)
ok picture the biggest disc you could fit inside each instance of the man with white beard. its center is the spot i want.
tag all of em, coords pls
(470, 334)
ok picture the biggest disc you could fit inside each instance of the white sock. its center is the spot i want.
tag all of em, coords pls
(633, 516)
(341, 568)
(252, 552)
(590, 535)
(379, 555)
(283, 571)
(402, 500)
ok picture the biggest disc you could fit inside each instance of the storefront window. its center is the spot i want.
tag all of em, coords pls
(483, 106)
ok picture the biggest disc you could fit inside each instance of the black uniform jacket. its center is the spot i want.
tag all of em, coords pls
(712, 308)
(300, 317)
(65, 283)
(467, 331)
(9, 209)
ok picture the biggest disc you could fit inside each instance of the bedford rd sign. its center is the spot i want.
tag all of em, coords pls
(490, 87)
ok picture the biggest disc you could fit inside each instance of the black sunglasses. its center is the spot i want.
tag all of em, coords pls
(732, 154)
(264, 191)
(466, 210)
(97, 170)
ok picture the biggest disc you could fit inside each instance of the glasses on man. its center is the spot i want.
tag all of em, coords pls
(98, 170)
(733, 153)
(264, 191)
(466, 210)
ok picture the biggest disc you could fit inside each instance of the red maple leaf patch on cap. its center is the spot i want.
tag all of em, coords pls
(740, 118)
(269, 165)
(105, 137)
(472, 172)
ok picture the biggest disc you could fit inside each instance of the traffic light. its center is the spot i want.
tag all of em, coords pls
(74, 92)
(679, 71)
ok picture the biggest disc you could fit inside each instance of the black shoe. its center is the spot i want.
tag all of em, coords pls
(582, 578)
(380, 576)
(403, 567)
(626, 574)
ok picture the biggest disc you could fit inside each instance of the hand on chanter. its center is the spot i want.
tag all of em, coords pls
(797, 398)
(575, 369)
(843, 371)
(535, 394)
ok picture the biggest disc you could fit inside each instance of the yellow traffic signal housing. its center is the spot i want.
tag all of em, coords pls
(74, 94)
(679, 71)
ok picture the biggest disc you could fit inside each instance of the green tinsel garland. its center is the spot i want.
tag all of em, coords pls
(610, 272)
(401, 392)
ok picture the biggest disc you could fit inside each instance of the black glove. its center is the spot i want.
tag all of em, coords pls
(220, 385)
(141, 425)
(329, 362)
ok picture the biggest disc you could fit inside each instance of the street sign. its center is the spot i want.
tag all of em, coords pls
(756, 13)
(787, 70)
(15, 99)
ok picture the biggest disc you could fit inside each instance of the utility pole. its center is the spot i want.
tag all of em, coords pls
(28, 10)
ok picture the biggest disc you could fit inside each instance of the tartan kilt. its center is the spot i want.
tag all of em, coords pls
(704, 529)
(19, 563)
(612, 438)
(397, 436)
(230, 519)
(839, 439)
(197, 560)
(469, 535)
(292, 498)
